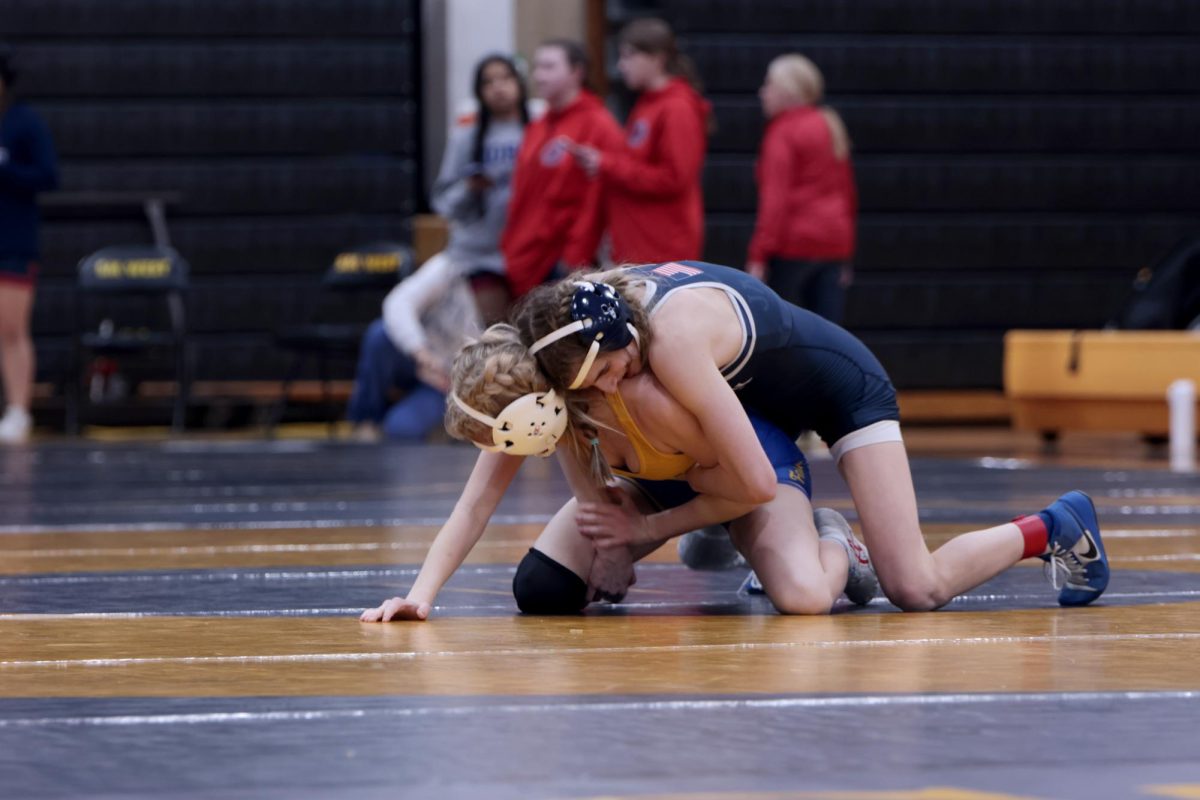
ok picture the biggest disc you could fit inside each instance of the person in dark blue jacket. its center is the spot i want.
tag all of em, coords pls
(27, 166)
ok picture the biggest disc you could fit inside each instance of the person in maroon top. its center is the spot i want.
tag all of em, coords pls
(804, 235)
(652, 196)
(555, 218)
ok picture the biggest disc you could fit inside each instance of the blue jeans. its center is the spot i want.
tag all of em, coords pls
(382, 368)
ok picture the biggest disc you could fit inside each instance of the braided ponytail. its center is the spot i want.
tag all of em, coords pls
(488, 374)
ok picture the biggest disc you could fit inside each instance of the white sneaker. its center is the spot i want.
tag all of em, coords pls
(15, 426)
(861, 585)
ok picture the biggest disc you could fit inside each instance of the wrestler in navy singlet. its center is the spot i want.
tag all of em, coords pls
(796, 369)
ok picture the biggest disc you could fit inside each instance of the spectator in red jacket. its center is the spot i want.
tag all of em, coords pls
(652, 197)
(804, 236)
(554, 215)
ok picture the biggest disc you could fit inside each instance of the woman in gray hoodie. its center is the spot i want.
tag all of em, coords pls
(475, 181)
(429, 316)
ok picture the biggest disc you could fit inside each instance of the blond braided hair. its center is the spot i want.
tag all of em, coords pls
(492, 371)
(488, 374)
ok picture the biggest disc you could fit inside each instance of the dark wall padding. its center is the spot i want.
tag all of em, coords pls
(368, 184)
(1000, 124)
(201, 19)
(289, 129)
(991, 183)
(935, 16)
(218, 127)
(1017, 160)
(218, 67)
(959, 65)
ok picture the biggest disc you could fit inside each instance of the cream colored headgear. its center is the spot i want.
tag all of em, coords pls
(532, 424)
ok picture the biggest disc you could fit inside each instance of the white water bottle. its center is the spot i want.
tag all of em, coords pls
(1181, 398)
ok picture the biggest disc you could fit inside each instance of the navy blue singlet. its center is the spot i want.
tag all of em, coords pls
(796, 369)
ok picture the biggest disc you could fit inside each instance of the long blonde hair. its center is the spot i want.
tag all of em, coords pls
(548, 308)
(802, 80)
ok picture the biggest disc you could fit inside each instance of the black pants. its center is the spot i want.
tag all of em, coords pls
(815, 285)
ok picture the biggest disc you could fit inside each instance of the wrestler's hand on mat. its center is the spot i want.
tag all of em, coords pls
(398, 608)
(615, 524)
(612, 574)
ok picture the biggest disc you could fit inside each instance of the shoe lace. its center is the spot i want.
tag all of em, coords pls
(1063, 565)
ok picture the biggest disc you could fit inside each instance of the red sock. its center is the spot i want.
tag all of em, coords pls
(1033, 528)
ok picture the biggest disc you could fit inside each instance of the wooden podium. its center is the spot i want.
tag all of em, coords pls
(1096, 380)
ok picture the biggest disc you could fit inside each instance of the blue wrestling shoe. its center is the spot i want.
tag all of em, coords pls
(1076, 565)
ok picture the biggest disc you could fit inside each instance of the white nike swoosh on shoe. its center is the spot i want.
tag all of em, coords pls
(1092, 551)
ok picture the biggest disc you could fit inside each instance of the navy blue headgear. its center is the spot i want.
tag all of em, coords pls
(604, 314)
(601, 318)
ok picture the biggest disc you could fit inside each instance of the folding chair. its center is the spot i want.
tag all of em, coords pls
(132, 279)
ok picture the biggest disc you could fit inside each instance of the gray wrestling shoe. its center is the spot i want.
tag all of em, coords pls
(709, 549)
(862, 585)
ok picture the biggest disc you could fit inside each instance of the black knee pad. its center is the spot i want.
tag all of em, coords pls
(544, 586)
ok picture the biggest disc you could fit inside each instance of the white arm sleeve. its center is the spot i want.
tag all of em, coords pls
(403, 306)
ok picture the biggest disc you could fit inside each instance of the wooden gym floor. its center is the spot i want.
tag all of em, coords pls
(177, 620)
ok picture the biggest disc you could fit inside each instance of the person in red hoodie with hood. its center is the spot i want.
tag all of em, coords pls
(653, 202)
(555, 215)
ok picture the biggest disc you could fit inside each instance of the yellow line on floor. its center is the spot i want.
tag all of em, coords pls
(1180, 790)
(1123, 648)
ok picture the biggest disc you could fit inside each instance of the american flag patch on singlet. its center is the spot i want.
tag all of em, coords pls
(672, 269)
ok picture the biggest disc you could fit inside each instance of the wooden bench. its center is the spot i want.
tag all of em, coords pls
(1096, 380)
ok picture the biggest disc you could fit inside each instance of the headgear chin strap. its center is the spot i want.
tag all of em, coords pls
(601, 316)
(531, 425)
